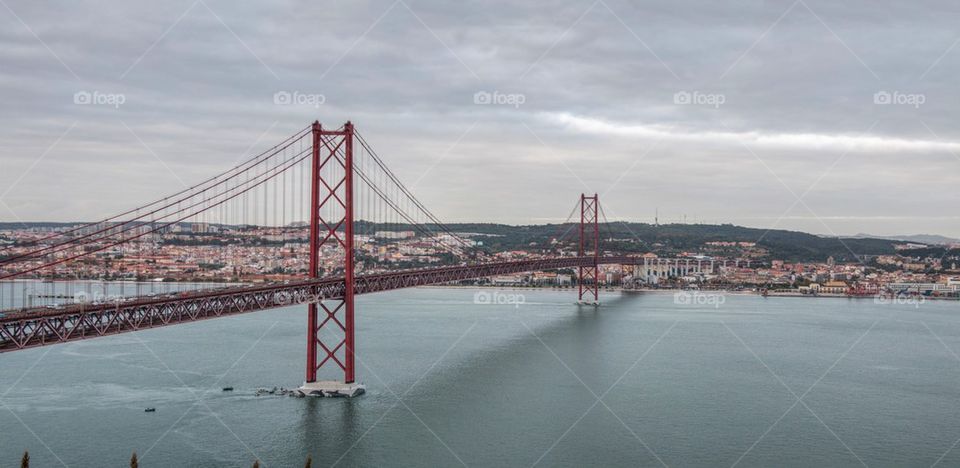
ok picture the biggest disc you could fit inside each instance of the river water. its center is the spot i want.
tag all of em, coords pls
(641, 380)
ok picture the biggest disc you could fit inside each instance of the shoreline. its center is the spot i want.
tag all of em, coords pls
(675, 290)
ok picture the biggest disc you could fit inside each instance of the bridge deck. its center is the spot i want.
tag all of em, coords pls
(43, 326)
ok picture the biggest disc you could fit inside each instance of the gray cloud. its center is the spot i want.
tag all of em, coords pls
(798, 79)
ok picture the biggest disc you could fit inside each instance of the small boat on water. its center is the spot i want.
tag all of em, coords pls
(228, 389)
(150, 410)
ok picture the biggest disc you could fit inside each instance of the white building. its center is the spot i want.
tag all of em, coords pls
(654, 269)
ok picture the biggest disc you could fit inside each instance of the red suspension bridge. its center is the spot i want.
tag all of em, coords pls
(356, 207)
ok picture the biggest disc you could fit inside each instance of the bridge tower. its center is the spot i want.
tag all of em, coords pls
(589, 277)
(330, 336)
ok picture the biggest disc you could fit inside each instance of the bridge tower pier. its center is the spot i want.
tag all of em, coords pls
(330, 337)
(589, 277)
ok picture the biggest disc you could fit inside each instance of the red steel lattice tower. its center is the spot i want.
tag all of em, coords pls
(589, 238)
(331, 226)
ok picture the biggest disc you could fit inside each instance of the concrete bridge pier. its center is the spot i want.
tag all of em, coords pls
(332, 388)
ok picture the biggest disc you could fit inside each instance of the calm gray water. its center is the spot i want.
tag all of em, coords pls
(498, 385)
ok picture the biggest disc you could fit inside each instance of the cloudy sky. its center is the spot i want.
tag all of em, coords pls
(823, 116)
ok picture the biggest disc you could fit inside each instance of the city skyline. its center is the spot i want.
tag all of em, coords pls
(662, 111)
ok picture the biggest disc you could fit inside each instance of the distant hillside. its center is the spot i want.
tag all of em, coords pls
(930, 239)
(675, 238)
(51, 224)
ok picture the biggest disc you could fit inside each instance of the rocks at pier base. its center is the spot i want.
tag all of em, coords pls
(331, 388)
(328, 388)
(278, 391)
